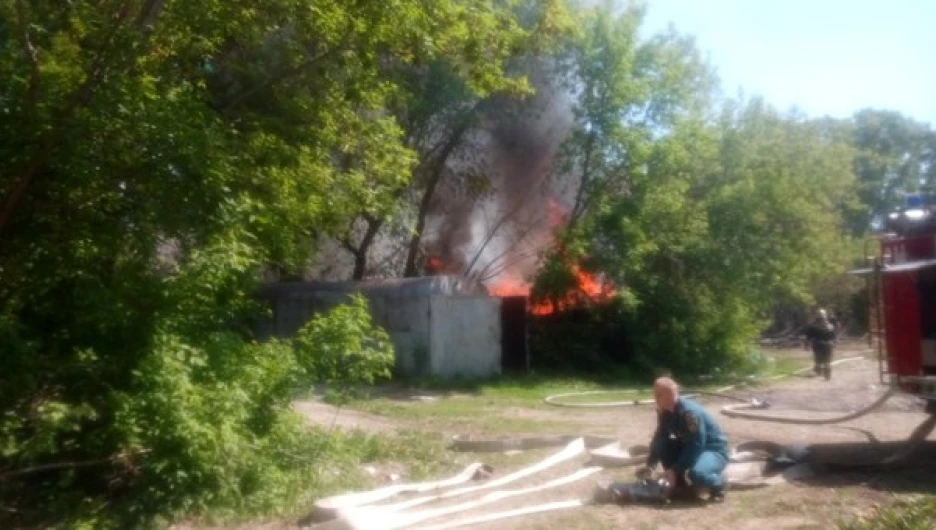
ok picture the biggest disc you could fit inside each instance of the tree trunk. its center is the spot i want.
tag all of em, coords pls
(432, 169)
(412, 252)
(360, 253)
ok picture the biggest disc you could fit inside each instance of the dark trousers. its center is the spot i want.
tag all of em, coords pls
(822, 352)
(705, 471)
(822, 358)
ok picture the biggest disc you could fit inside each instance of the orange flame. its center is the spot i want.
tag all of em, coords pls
(588, 289)
(435, 265)
(510, 286)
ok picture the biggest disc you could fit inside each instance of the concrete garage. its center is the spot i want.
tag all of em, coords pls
(444, 326)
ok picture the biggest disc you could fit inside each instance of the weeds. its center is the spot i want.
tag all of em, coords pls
(917, 514)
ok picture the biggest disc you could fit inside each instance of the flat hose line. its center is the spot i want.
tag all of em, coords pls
(555, 399)
(358, 511)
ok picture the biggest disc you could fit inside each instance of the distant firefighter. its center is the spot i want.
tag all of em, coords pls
(821, 337)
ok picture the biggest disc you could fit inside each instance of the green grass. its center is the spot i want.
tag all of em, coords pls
(786, 365)
(536, 386)
(512, 405)
(917, 514)
(454, 414)
(524, 387)
(486, 405)
(424, 456)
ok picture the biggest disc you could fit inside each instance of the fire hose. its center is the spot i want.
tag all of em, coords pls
(555, 399)
(739, 411)
(353, 511)
(742, 410)
(357, 511)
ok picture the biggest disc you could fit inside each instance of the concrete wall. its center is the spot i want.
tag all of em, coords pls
(465, 335)
(408, 324)
(433, 334)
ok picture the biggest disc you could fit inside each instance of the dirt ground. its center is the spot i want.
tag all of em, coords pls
(833, 495)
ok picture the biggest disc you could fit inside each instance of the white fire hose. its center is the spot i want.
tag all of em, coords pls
(743, 410)
(354, 511)
(358, 511)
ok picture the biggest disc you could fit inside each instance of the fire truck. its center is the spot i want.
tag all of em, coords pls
(901, 283)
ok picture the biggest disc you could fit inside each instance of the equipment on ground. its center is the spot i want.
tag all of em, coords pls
(645, 490)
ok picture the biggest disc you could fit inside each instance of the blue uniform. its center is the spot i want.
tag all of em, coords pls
(690, 442)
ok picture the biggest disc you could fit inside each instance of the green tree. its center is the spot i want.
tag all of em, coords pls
(777, 202)
(636, 104)
(702, 223)
(441, 113)
(894, 157)
(627, 93)
(157, 156)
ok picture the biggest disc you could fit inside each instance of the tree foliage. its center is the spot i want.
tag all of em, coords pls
(343, 347)
(703, 221)
(158, 156)
(895, 156)
(444, 116)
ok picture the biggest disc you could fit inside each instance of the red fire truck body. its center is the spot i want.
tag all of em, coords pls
(902, 302)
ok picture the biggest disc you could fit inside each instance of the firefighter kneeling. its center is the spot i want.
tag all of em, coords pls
(690, 446)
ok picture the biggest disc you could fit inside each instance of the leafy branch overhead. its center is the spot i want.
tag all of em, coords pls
(158, 157)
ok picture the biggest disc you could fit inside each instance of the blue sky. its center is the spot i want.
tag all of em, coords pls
(825, 57)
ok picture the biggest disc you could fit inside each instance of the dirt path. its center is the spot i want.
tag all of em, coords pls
(820, 502)
(325, 415)
(832, 496)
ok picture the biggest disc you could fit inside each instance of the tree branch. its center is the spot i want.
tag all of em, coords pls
(68, 465)
(346, 244)
(148, 14)
(80, 97)
(360, 259)
(433, 167)
(83, 95)
(498, 265)
(32, 55)
(287, 73)
(580, 205)
(504, 219)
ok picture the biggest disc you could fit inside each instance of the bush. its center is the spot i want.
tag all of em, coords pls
(585, 339)
(343, 348)
(653, 327)
(688, 329)
(148, 402)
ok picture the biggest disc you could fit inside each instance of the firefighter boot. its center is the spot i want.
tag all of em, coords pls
(717, 495)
